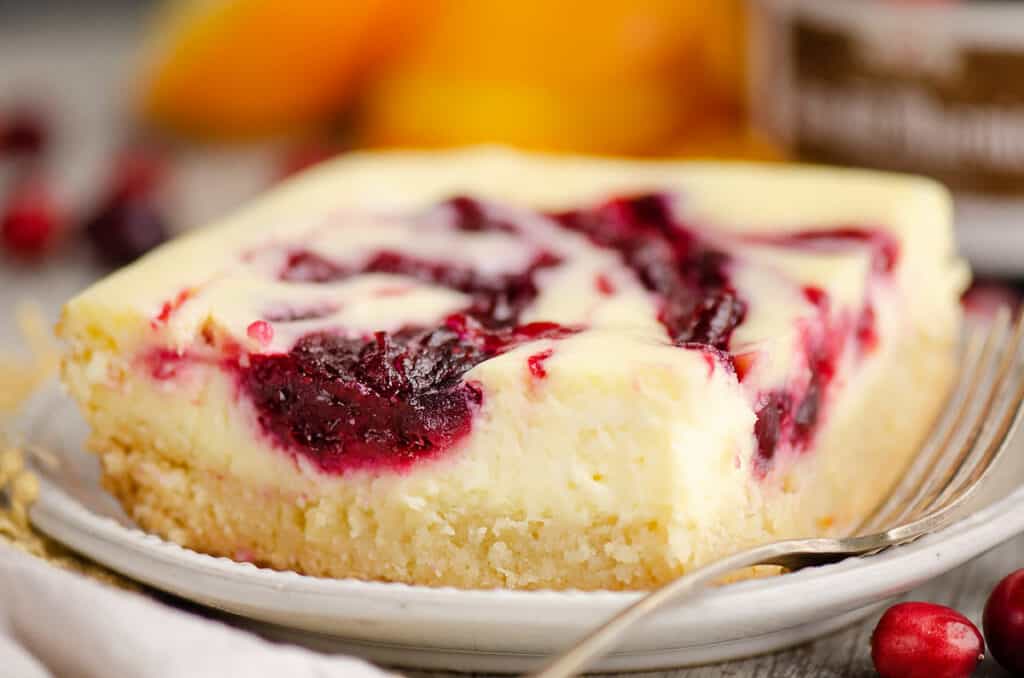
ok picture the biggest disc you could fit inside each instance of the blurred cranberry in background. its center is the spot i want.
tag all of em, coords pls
(31, 220)
(130, 219)
(124, 230)
(23, 131)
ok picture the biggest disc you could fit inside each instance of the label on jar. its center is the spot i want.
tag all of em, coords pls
(930, 88)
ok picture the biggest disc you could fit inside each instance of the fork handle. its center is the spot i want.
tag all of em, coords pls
(792, 554)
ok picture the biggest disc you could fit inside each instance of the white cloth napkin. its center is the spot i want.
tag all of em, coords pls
(56, 623)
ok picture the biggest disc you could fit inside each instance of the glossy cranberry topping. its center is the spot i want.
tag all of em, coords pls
(386, 400)
(391, 398)
(699, 304)
(793, 415)
(361, 402)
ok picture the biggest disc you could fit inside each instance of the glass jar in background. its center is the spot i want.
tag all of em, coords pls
(929, 87)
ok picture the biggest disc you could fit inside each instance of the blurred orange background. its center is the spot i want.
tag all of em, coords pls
(653, 77)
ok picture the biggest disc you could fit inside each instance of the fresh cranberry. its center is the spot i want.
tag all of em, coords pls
(30, 221)
(23, 132)
(923, 640)
(123, 230)
(1003, 622)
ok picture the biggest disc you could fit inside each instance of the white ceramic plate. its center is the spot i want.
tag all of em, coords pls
(495, 630)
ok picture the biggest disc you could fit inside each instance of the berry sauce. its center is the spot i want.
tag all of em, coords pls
(348, 403)
(698, 302)
(793, 416)
(388, 399)
(392, 398)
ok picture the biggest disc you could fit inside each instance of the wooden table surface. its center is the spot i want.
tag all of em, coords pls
(78, 64)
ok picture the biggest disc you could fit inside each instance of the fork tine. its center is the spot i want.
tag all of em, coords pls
(936, 444)
(1000, 424)
(916, 480)
(950, 506)
(1003, 355)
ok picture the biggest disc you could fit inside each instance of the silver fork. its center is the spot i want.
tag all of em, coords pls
(968, 439)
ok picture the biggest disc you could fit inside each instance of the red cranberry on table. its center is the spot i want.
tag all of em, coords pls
(125, 229)
(30, 218)
(1003, 622)
(923, 640)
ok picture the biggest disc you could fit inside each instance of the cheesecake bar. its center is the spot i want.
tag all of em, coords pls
(482, 368)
